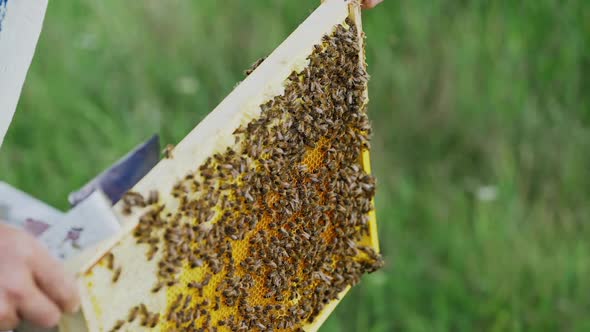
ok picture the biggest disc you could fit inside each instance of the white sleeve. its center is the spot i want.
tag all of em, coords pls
(20, 25)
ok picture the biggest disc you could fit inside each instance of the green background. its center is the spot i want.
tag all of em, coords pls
(482, 130)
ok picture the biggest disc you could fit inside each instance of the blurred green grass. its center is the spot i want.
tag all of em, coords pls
(481, 112)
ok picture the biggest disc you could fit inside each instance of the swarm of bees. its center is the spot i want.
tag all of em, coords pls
(270, 231)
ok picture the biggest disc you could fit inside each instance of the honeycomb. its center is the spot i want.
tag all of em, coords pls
(265, 234)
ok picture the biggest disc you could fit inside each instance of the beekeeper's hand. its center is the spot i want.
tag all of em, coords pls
(371, 3)
(33, 285)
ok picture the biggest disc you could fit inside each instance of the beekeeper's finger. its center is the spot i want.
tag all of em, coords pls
(37, 308)
(51, 277)
(371, 3)
(8, 316)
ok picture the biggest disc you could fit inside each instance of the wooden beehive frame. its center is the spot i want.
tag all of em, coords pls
(214, 133)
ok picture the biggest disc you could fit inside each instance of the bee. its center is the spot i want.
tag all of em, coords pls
(270, 294)
(305, 235)
(153, 321)
(167, 152)
(184, 247)
(133, 314)
(118, 325)
(144, 320)
(230, 301)
(117, 274)
(157, 287)
(254, 66)
(153, 197)
(207, 322)
(143, 310)
(217, 303)
(187, 301)
(110, 260)
(152, 252)
(195, 262)
(132, 198)
(126, 210)
(172, 316)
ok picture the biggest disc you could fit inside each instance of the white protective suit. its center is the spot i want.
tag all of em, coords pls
(20, 25)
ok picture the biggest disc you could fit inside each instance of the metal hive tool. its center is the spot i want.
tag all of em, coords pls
(262, 217)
